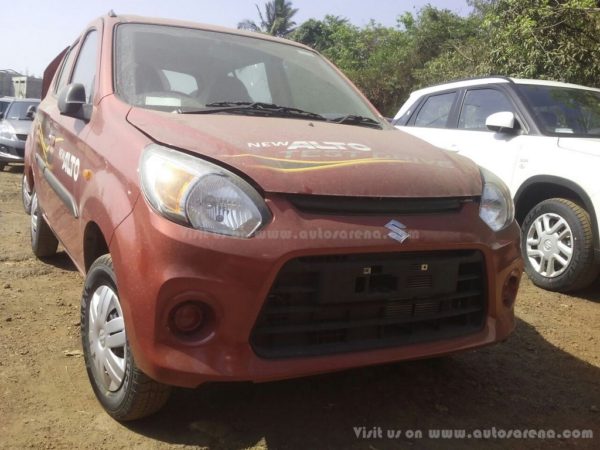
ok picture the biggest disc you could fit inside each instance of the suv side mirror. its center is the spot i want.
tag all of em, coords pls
(31, 112)
(72, 102)
(503, 121)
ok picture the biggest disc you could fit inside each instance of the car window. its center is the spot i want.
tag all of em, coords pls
(18, 110)
(3, 106)
(479, 104)
(435, 111)
(85, 67)
(255, 79)
(563, 110)
(228, 68)
(181, 82)
(65, 69)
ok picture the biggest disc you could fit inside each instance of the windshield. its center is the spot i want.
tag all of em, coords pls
(170, 68)
(565, 111)
(3, 105)
(18, 110)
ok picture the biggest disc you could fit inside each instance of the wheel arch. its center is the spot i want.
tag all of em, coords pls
(543, 187)
(94, 244)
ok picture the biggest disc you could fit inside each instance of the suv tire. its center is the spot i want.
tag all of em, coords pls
(558, 246)
(126, 393)
(43, 241)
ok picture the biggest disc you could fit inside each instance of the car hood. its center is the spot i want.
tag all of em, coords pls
(585, 145)
(305, 157)
(20, 126)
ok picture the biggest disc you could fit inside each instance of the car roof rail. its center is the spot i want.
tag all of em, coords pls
(459, 80)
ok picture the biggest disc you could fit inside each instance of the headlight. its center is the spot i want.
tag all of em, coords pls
(199, 194)
(7, 131)
(496, 208)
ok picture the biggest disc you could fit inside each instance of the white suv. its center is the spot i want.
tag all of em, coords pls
(543, 139)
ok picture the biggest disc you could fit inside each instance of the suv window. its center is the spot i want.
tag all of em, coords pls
(479, 104)
(85, 68)
(435, 111)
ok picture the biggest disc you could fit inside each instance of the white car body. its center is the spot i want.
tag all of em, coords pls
(534, 163)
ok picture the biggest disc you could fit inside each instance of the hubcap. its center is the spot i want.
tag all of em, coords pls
(550, 245)
(26, 194)
(106, 338)
(34, 215)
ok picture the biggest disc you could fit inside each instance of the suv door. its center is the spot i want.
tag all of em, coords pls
(496, 151)
(461, 128)
(62, 146)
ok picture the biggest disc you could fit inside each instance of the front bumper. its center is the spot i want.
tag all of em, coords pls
(165, 264)
(12, 151)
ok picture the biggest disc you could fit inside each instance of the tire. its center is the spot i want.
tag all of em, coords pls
(558, 246)
(125, 392)
(43, 241)
(26, 196)
(2, 166)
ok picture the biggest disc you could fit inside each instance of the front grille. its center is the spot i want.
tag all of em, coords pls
(22, 137)
(332, 204)
(342, 303)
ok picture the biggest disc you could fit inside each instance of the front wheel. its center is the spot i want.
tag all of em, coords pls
(124, 391)
(558, 246)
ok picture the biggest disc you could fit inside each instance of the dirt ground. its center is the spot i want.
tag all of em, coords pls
(546, 376)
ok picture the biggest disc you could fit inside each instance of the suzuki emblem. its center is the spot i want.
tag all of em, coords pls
(397, 231)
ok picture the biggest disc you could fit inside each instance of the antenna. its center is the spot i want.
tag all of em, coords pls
(112, 13)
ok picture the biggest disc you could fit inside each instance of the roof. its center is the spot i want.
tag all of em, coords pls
(495, 80)
(117, 18)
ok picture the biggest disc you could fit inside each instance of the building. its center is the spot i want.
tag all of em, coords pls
(14, 84)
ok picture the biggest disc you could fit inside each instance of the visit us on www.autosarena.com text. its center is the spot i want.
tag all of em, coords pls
(368, 433)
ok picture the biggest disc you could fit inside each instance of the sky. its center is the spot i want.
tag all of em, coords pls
(35, 31)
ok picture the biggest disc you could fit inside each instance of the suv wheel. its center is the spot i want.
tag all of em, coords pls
(43, 241)
(124, 391)
(2, 165)
(26, 195)
(558, 246)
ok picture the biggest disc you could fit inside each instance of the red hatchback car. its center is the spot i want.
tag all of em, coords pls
(241, 212)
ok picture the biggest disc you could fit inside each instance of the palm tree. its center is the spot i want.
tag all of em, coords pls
(276, 21)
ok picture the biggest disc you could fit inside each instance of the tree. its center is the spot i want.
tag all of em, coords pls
(545, 39)
(276, 21)
(551, 39)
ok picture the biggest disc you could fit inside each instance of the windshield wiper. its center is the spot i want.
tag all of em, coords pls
(268, 109)
(352, 119)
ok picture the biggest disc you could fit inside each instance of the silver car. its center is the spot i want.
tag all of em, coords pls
(15, 123)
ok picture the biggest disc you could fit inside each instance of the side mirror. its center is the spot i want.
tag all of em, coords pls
(31, 112)
(503, 121)
(72, 102)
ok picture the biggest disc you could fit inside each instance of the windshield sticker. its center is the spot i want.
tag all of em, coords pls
(311, 145)
(292, 165)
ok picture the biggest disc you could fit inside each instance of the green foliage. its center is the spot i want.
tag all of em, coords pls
(383, 61)
(550, 39)
(546, 39)
(276, 21)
